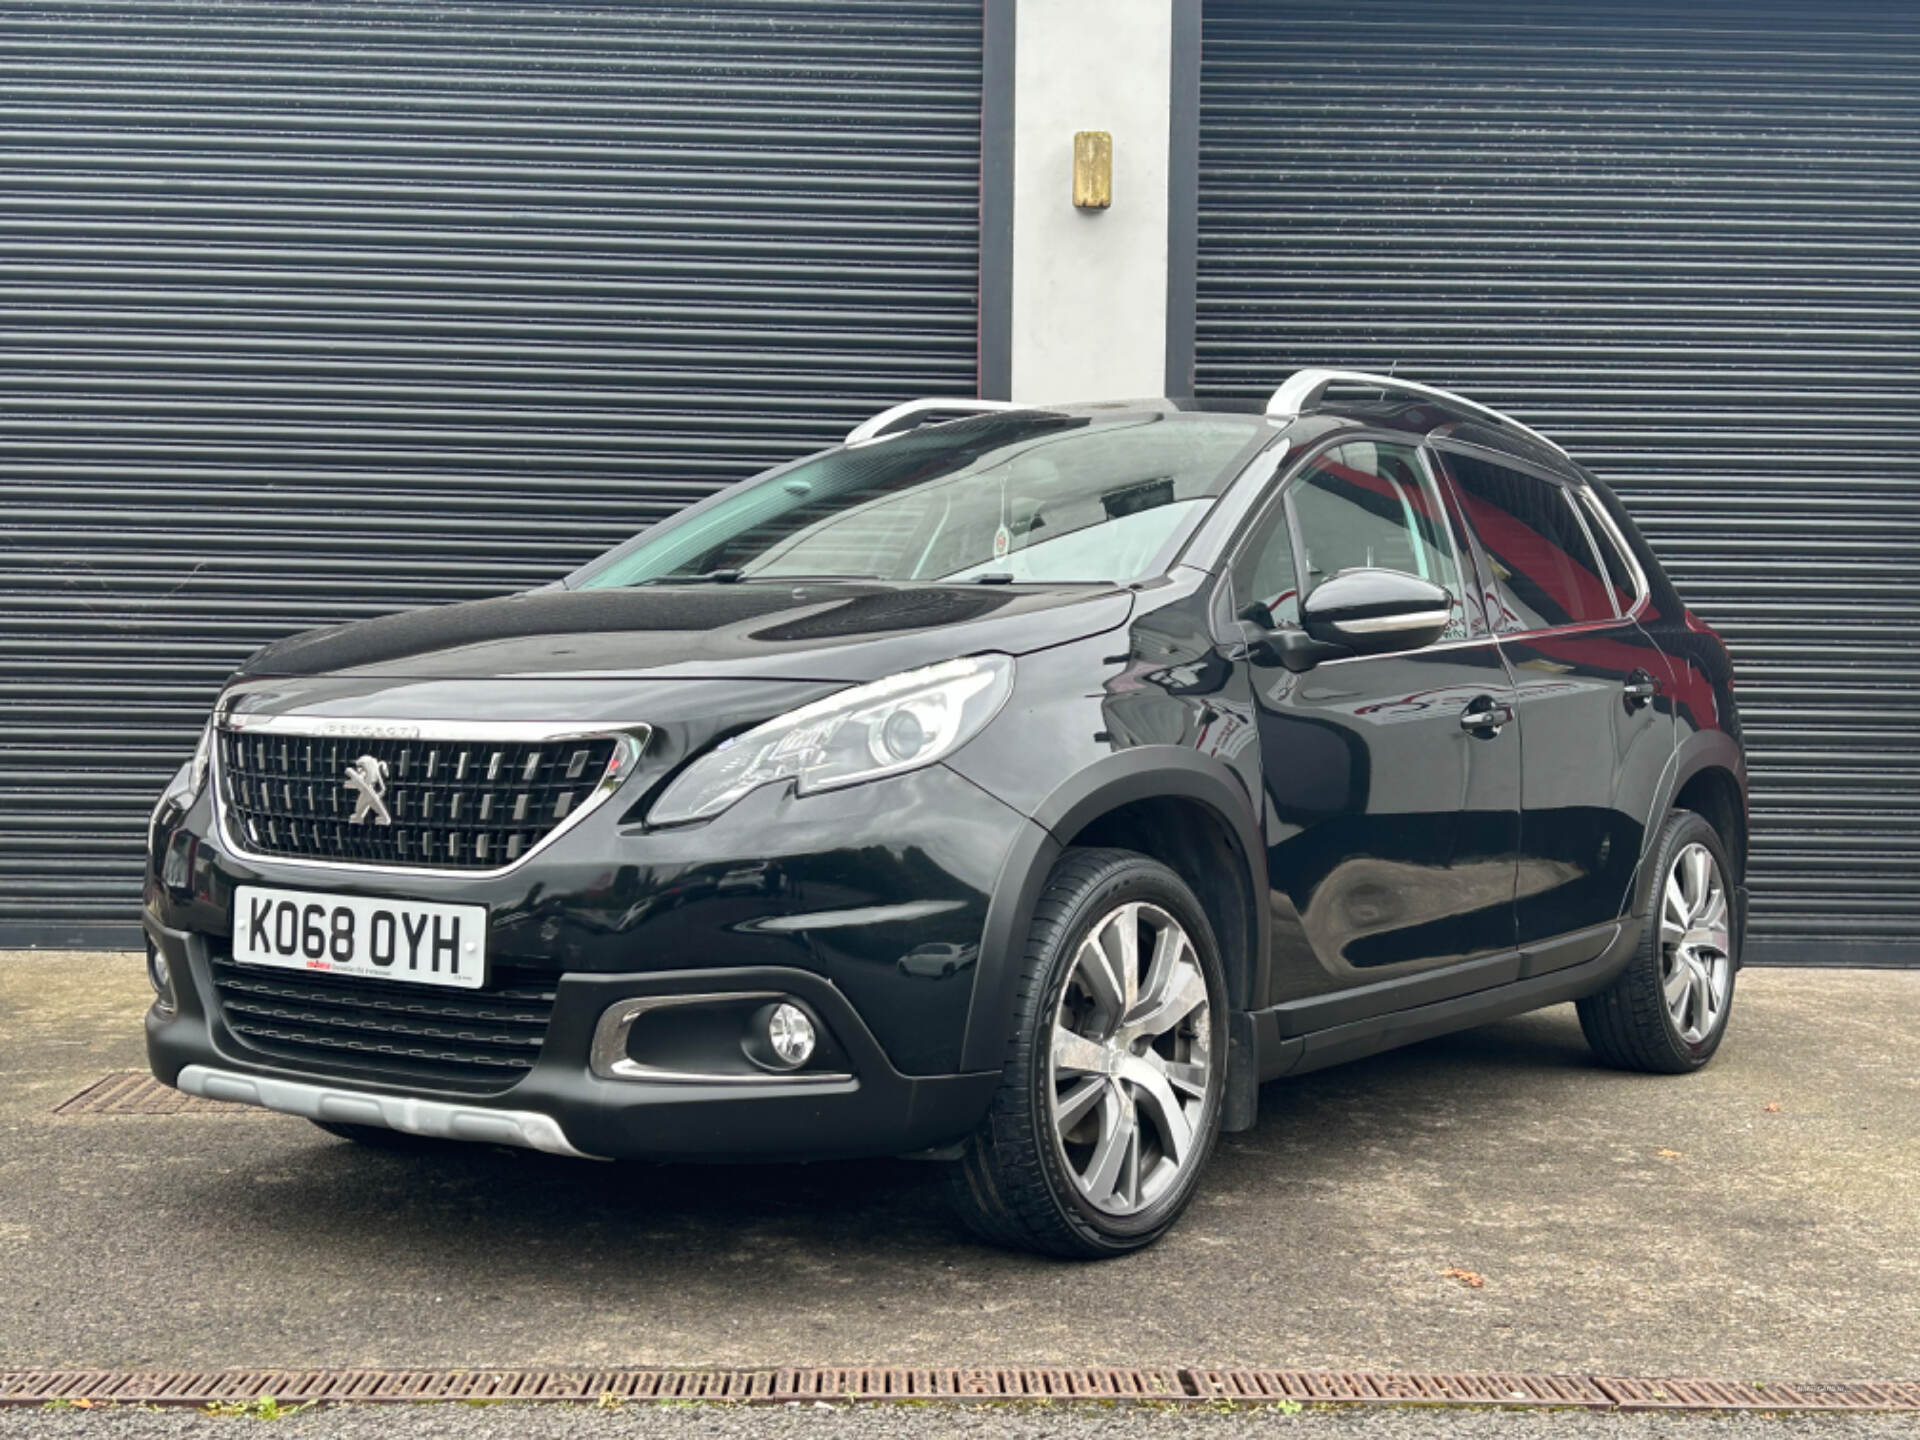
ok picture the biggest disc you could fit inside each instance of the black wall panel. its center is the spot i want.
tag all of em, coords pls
(1682, 239)
(314, 311)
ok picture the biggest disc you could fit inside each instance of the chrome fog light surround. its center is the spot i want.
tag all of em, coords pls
(160, 977)
(609, 1057)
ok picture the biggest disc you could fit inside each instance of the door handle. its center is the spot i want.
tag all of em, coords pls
(1639, 689)
(1483, 716)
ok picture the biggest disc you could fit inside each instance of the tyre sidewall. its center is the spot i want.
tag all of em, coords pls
(1133, 880)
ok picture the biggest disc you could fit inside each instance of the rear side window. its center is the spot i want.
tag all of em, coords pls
(1544, 571)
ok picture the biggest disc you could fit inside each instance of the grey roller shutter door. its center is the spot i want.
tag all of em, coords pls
(311, 312)
(1683, 239)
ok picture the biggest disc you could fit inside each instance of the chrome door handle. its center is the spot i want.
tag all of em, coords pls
(1639, 689)
(1483, 717)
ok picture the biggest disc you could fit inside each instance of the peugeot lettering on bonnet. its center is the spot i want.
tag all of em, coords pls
(1015, 788)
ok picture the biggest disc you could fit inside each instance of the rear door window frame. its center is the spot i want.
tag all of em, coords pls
(1572, 490)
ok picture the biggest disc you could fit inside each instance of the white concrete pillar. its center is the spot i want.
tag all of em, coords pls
(1090, 308)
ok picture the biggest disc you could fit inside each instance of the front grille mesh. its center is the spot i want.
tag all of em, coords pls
(449, 804)
(476, 1040)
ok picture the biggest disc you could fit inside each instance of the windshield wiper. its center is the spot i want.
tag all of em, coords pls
(707, 577)
(732, 575)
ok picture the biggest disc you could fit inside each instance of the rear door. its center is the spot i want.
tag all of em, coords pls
(1595, 705)
(1392, 784)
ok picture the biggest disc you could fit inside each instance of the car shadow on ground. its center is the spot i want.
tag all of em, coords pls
(522, 1209)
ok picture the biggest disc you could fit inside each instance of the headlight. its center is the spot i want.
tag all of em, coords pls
(195, 771)
(899, 723)
(202, 757)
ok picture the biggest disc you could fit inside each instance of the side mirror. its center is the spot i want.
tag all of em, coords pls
(1371, 611)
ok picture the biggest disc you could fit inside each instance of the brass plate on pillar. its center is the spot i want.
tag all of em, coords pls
(1092, 169)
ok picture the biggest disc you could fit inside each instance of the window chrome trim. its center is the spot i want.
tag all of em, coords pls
(608, 1058)
(631, 743)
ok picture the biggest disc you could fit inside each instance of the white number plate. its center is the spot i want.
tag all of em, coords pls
(370, 939)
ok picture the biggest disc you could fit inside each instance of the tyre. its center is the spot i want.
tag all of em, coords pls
(378, 1137)
(1110, 1094)
(1667, 1011)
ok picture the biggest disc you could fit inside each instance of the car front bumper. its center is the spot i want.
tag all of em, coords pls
(561, 1107)
(867, 906)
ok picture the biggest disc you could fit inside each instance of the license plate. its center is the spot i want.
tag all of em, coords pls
(368, 939)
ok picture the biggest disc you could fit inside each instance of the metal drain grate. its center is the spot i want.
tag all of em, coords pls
(134, 1092)
(1353, 1387)
(883, 1384)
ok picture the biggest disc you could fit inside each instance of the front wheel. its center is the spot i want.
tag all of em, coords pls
(1110, 1095)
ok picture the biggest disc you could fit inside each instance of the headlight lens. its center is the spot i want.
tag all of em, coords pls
(893, 725)
(202, 757)
(174, 795)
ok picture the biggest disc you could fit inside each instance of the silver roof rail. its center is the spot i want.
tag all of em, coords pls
(1303, 389)
(889, 421)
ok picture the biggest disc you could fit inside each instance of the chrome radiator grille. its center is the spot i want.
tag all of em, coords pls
(448, 804)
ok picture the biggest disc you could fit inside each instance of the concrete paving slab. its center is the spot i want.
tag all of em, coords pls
(1758, 1220)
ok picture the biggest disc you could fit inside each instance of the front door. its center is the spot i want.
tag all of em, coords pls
(1392, 782)
(1596, 717)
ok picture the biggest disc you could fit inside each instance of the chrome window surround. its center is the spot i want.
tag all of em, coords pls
(608, 1056)
(1272, 490)
(631, 743)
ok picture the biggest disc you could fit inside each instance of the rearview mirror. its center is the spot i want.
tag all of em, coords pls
(1371, 611)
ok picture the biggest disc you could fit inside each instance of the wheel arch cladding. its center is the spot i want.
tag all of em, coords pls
(1712, 792)
(1185, 810)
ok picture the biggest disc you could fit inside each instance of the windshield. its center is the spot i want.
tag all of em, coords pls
(1037, 497)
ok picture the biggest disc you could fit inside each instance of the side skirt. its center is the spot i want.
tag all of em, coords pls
(1281, 1054)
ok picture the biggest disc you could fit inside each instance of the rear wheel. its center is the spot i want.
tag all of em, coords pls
(1667, 1011)
(1110, 1095)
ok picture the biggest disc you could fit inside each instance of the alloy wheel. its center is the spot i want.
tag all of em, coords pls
(1696, 956)
(1132, 1063)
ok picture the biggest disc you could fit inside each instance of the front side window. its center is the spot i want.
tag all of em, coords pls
(1368, 504)
(1264, 577)
(1049, 498)
(1544, 571)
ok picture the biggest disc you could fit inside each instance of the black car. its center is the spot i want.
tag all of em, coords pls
(1019, 788)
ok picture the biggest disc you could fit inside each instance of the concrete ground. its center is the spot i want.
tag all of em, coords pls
(1758, 1220)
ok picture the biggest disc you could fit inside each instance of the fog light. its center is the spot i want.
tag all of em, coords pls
(160, 976)
(790, 1034)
